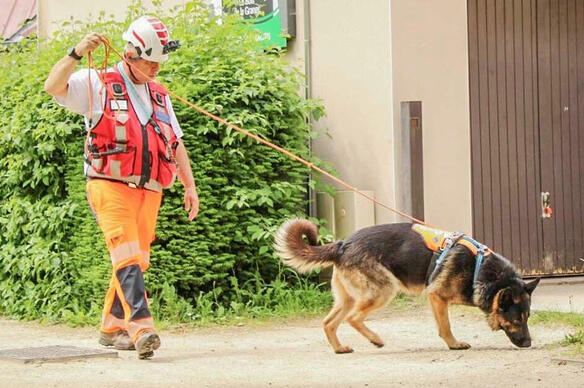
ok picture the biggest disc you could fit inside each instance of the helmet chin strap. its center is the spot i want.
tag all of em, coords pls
(134, 78)
(132, 74)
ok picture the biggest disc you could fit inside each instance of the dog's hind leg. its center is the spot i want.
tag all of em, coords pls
(362, 309)
(440, 310)
(343, 304)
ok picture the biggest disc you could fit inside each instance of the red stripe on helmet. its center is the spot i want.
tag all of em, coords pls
(139, 39)
(163, 35)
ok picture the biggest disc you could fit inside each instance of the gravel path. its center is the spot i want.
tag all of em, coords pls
(296, 354)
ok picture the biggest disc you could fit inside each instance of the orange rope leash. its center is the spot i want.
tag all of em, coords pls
(271, 145)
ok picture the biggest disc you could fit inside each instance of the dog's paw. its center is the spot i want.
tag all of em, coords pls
(379, 343)
(459, 346)
(344, 349)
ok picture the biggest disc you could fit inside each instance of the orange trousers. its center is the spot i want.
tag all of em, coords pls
(127, 217)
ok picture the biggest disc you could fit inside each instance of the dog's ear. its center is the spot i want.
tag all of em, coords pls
(529, 287)
(505, 299)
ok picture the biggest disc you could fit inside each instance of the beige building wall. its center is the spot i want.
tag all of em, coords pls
(365, 58)
(430, 64)
(350, 62)
(51, 12)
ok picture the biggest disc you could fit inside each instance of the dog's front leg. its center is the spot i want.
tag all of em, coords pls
(440, 310)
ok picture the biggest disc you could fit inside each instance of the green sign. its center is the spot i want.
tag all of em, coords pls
(265, 16)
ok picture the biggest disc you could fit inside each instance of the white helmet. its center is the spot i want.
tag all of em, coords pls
(150, 38)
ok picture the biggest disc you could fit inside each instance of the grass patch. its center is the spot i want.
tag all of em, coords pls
(264, 303)
(572, 339)
(553, 317)
(256, 300)
(575, 340)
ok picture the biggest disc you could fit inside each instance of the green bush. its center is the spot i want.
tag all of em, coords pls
(54, 264)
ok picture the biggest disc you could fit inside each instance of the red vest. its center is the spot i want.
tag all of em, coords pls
(119, 147)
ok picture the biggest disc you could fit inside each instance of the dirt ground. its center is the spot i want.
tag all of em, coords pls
(296, 354)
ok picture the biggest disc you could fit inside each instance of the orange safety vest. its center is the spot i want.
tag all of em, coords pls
(440, 242)
(120, 148)
(436, 240)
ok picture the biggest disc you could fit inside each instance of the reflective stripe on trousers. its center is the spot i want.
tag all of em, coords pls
(127, 218)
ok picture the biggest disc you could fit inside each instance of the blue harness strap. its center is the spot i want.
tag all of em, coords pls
(451, 241)
(481, 249)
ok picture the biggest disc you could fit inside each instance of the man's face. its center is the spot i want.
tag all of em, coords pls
(144, 70)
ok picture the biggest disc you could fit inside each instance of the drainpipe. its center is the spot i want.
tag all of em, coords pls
(307, 57)
(308, 94)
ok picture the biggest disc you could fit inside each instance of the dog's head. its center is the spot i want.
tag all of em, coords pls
(511, 307)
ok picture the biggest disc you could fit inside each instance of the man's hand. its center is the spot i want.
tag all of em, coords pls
(185, 175)
(191, 202)
(57, 81)
(88, 44)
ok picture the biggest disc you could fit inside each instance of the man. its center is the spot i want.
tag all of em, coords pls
(133, 151)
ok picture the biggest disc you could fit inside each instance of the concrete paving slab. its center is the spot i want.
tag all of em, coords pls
(53, 354)
(559, 294)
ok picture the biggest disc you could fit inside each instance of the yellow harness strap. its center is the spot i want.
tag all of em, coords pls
(436, 239)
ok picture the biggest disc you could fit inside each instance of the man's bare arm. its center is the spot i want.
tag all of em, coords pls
(185, 174)
(56, 83)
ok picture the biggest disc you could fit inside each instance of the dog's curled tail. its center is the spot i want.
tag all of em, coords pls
(303, 255)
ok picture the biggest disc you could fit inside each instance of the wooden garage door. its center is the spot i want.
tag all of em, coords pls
(526, 68)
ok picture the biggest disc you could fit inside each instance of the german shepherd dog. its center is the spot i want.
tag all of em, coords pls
(374, 263)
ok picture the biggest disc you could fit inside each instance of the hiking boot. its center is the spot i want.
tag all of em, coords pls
(146, 344)
(120, 340)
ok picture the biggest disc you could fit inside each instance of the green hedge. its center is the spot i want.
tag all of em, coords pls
(54, 264)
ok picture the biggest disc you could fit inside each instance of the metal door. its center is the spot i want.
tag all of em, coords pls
(526, 77)
(561, 121)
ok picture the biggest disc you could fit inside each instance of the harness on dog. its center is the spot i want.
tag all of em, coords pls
(440, 242)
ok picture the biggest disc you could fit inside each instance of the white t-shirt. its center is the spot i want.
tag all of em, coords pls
(77, 98)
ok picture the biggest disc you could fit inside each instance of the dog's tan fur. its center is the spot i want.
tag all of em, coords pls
(361, 283)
